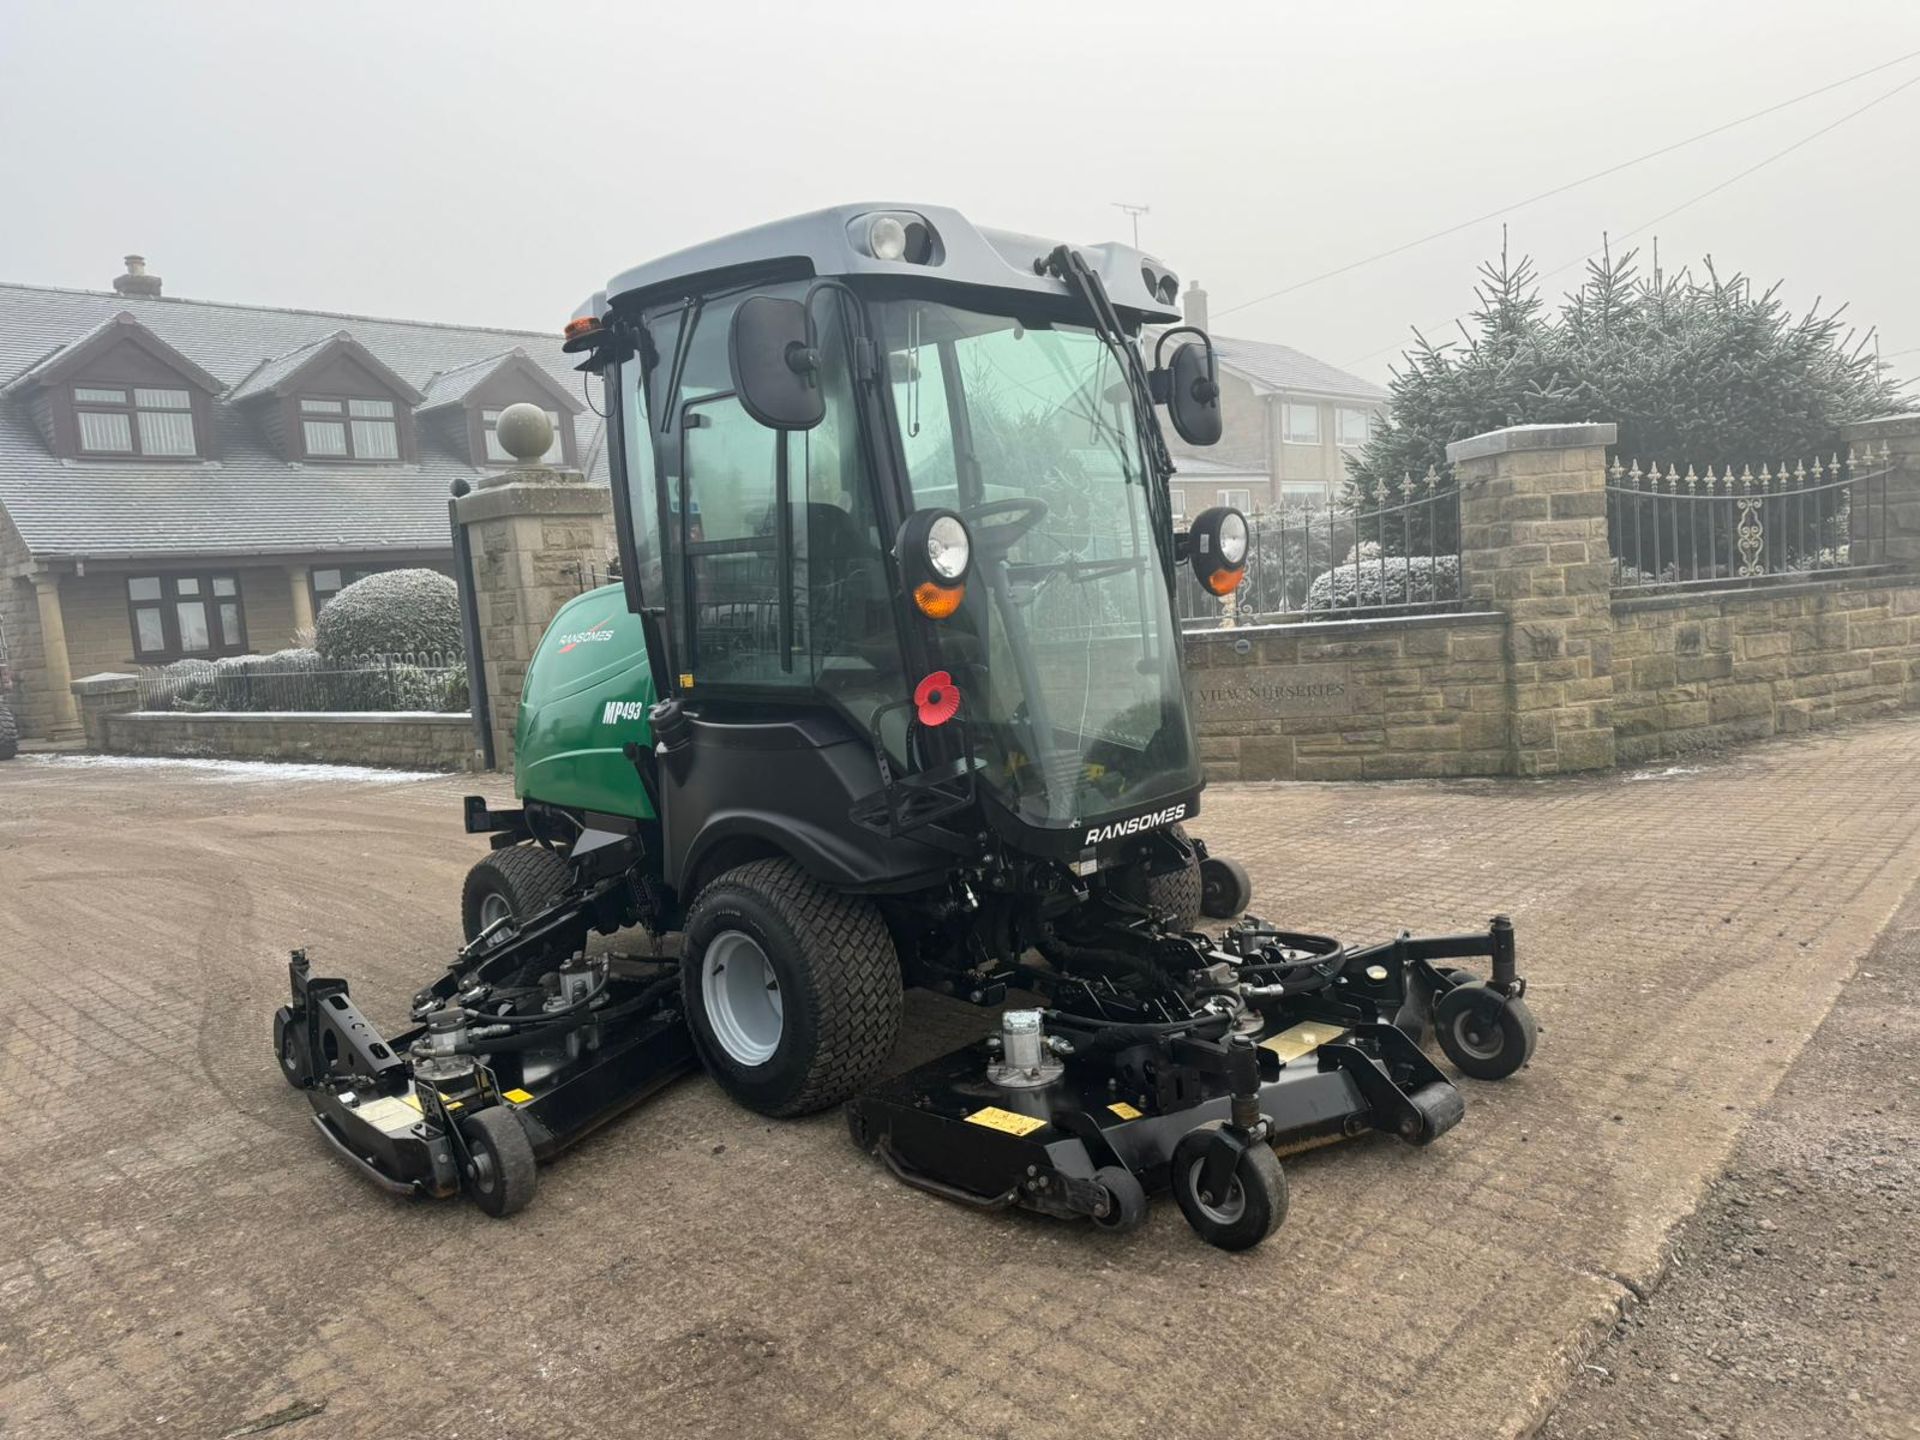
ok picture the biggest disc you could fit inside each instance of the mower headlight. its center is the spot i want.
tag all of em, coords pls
(1233, 538)
(887, 238)
(935, 552)
(949, 547)
(1216, 545)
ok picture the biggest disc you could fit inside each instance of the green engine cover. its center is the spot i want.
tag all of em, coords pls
(586, 697)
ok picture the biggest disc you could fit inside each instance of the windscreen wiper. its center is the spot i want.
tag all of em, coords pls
(1070, 267)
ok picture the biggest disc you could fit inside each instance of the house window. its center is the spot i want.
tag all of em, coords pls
(496, 452)
(347, 429)
(1241, 500)
(176, 615)
(329, 582)
(1179, 498)
(1300, 424)
(1356, 426)
(134, 420)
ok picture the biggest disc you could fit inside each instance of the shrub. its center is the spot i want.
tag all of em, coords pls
(396, 613)
(183, 685)
(1386, 580)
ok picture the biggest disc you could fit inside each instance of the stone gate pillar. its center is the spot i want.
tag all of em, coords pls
(1533, 541)
(535, 531)
(1897, 542)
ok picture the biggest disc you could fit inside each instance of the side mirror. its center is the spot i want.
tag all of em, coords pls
(1189, 387)
(1217, 549)
(771, 354)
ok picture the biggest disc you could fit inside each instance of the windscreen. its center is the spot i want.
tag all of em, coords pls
(1065, 648)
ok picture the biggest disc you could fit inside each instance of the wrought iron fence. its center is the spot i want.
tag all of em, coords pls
(1671, 528)
(1387, 548)
(407, 680)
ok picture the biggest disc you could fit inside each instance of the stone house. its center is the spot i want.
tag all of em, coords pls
(1289, 421)
(194, 478)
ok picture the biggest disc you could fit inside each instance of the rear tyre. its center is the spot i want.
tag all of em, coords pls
(1485, 1034)
(1225, 888)
(1126, 1200)
(290, 1045)
(9, 733)
(1252, 1208)
(504, 1174)
(514, 884)
(792, 989)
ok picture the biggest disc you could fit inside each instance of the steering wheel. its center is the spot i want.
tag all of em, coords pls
(996, 539)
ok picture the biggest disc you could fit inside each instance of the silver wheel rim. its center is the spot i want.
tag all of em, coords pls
(1230, 1208)
(494, 908)
(741, 995)
(1481, 1039)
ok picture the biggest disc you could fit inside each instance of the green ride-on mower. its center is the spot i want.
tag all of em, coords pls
(890, 694)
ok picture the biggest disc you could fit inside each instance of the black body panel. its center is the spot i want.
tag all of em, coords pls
(744, 785)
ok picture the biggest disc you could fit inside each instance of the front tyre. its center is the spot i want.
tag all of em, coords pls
(792, 989)
(1225, 888)
(1256, 1198)
(1485, 1034)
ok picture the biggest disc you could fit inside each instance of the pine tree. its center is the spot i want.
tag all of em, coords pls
(1691, 368)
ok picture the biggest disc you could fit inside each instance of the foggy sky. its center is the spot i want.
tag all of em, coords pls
(490, 163)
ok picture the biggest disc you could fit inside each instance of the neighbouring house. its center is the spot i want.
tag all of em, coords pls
(1289, 421)
(193, 478)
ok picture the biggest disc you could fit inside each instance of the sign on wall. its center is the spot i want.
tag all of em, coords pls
(1261, 692)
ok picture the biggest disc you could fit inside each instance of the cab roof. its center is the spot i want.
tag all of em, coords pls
(833, 242)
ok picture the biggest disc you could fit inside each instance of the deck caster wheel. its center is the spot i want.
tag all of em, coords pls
(1252, 1208)
(290, 1044)
(1485, 1034)
(1126, 1200)
(502, 1175)
(1225, 888)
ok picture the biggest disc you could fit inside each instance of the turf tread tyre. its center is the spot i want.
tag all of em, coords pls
(839, 957)
(9, 733)
(531, 877)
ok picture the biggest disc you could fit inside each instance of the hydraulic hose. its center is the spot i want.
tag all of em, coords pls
(562, 1022)
(1119, 1034)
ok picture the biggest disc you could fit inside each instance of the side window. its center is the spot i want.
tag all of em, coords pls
(725, 512)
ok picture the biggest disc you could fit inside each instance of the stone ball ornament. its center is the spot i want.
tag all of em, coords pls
(524, 432)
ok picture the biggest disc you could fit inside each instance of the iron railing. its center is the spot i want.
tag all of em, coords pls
(1387, 548)
(1707, 527)
(409, 680)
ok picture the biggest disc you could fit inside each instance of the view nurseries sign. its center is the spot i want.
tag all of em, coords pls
(1261, 691)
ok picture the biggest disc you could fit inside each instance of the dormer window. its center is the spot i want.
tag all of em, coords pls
(132, 420)
(497, 453)
(349, 429)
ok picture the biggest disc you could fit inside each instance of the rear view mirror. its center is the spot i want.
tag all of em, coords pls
(771, 354)
(1193, 394)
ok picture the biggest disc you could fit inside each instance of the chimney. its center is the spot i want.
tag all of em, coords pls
(1195, 306)
(137, 281)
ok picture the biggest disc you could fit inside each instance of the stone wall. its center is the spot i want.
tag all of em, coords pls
(1548, 673)
(408, 741)
(1352, 699)
(1694, 671)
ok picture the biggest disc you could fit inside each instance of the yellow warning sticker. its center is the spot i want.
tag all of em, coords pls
(518, 1097)
(1303, 1039)
(1124, 1110)
(994, 1118)
(414, 1100)
(686, 680)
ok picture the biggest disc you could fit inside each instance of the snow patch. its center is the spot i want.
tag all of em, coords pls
(1670, 773)
(271, 772)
